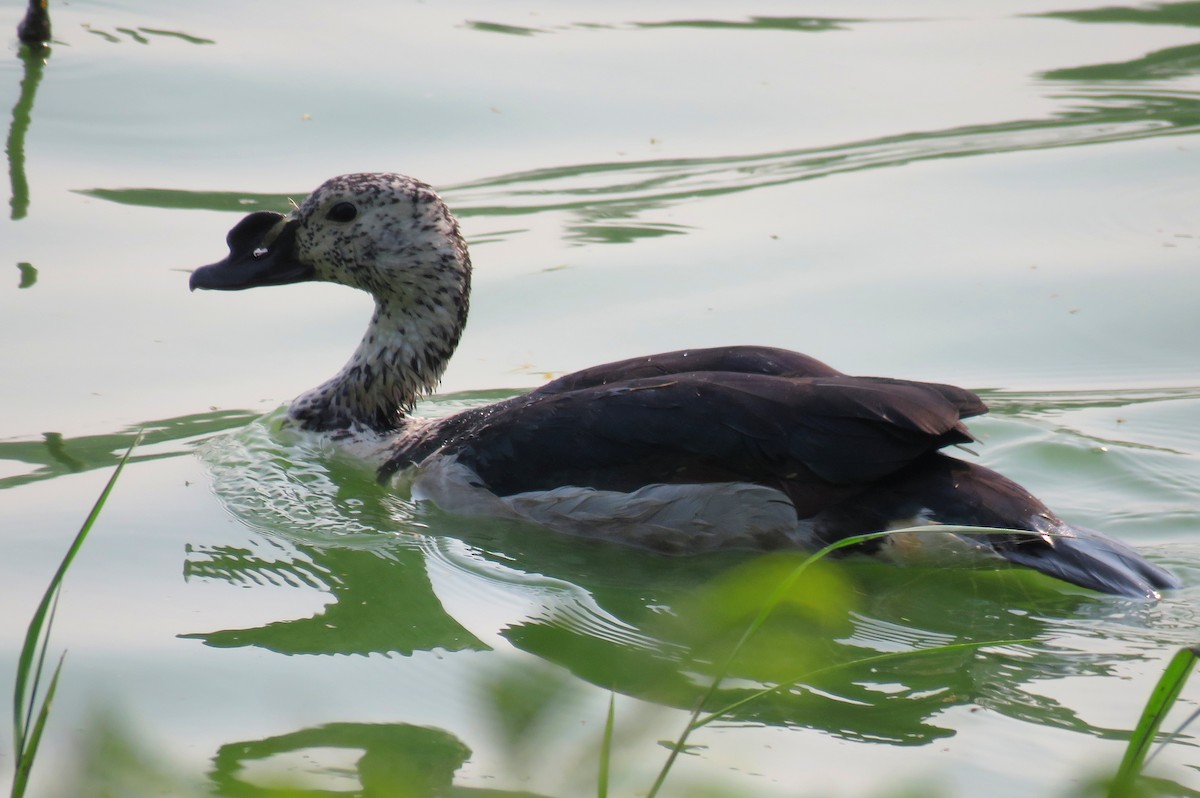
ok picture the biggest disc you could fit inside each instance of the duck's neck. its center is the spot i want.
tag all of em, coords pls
(401, 357)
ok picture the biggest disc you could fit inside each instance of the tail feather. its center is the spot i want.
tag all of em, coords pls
(944, 490)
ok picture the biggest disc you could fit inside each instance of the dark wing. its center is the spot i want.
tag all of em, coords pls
(703, 427)
(766, 360)
(736, 359)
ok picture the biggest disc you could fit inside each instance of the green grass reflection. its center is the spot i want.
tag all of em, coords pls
(596, 195)
(55, 455)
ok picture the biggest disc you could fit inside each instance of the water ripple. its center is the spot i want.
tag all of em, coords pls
(596, 194)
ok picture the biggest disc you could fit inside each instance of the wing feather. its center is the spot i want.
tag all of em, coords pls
(701, 427)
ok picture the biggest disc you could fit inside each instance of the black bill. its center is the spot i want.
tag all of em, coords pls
(261, 252)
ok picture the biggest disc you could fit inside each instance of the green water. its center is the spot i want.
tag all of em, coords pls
(1001, 195)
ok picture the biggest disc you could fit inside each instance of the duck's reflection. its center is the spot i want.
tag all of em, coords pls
(866, 652)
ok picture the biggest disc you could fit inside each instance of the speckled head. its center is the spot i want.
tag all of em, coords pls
(379, 232)
(376, 231)
(383, 233)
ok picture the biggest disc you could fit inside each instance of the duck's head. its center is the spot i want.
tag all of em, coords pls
(384, 233)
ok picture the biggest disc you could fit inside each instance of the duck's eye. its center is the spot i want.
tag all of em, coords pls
(342, 212)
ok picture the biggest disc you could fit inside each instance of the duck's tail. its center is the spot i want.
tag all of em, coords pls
(946, 491)
(1088, 559)
(1074, 554)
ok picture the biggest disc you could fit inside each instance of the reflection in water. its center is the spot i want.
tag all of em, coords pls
(608, 201)
(597, 193)
(820, 651)
(800, 24)
(28, 275)
(1184, 14)
(853, 652)
(594, 192)
(232, 201)
(382, 602)
(54, 455)
(601, 194)
(397, 761)
(1173, 62)
(496, 27)
(1038, 406)
(140, 35)
(370, 760)
(1009, 402)
(34, 58)
(330, 529)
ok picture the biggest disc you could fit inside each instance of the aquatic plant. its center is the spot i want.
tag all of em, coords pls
(30, 714)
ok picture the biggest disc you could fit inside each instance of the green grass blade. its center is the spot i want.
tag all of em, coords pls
(786, 584)
(772, 603)
(777, 595)
(1165, 693)
(42, 649)
(606, 749)
(25, 764)
(33, 653)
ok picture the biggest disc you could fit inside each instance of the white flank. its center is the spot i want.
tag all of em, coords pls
(671, 518)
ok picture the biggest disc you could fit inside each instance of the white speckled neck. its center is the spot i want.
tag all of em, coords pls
(404, 248)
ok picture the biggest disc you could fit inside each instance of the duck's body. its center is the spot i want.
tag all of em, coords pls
(738, 447)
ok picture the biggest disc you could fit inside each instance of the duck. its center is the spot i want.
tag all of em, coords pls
(730, 448)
